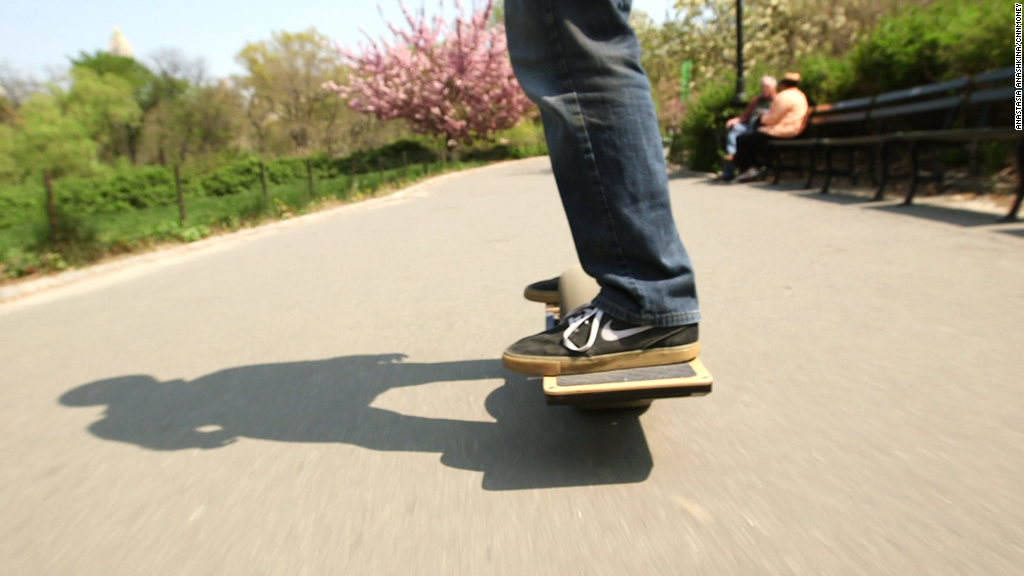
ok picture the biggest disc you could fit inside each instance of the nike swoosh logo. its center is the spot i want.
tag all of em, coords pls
(610, 335)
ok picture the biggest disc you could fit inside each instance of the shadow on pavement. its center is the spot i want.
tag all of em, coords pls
(946, 214)
(530, 446)
(844, 199)
(966, 218)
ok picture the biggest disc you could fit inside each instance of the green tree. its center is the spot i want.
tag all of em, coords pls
(283, 88)
(6, 110)
(922, 45)
(145, 91)
(104, 105)
(202, 120)
(51, 139)
(170, 124)
(8, 169)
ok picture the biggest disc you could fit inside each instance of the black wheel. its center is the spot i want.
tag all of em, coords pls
(575, 289)
(617, 406)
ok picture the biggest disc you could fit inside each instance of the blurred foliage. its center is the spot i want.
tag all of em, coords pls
(46, 137)
(27, 247)
(170, 111)
(125, 188)
(707, 113)
(923, 45)
(285, 107)
(104, 105)
(843, 49)
(112, 129)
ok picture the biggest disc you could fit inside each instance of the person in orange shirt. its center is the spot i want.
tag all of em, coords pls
(785, 118)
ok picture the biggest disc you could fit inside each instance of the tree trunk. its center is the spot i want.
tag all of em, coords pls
(181, 197)
(309, 176)
(263, 182)
(51, 204)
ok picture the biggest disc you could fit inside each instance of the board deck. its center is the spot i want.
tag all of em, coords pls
(634, 384)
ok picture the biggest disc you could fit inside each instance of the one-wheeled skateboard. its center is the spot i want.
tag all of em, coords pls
(629, 388)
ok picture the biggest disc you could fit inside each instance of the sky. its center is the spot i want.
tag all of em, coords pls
(37, 36)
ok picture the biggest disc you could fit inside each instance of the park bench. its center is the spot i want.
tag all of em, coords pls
(960, 112)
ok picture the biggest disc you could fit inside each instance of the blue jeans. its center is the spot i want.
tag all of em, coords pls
(579, 61)
(736, 131)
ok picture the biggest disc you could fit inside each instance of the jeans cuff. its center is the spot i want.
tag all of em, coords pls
(661, 320)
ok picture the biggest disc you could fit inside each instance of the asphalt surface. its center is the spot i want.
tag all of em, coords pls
(328, 399)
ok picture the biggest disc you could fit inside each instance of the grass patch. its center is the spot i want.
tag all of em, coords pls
(29, 248)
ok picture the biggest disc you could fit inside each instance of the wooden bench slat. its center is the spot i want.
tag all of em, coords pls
(958, 84)
(928, 106)
(954, 134)
(992, 95)
(855, 103)
(796, 142)
(994, 75)
(853, 140)
(965, 134)
(839, 118)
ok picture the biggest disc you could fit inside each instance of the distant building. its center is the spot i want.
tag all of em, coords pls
(119, 45)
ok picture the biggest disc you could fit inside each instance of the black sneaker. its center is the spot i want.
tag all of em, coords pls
(545, 291)
(588, 340)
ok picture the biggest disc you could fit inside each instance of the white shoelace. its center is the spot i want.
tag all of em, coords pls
(584, 313)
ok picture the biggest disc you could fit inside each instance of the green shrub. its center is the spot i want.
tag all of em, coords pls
(391, 155)
(123, 189)
(993, 156)
(18, 262)
(233, 178)
(19, 204)
(923, 45)
(827, 79)
(704, 123)
(954, 156)
(193, 233)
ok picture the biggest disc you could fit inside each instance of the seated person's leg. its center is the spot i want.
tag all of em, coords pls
(762, 149)
(745, 150)
(734, 132)
(751, 150)
(729, 167)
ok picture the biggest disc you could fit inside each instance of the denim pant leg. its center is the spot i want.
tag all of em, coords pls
(580, 63)
(734, 132)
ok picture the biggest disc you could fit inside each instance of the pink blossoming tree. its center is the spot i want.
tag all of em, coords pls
(451, 81)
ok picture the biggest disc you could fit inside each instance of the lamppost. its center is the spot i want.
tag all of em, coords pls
(741, 96)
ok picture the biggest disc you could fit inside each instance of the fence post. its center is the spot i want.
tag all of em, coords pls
(51, 205)
(263, 182)
(181, 197)
(309, 177)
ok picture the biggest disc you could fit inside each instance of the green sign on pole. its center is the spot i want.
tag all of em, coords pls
(685, 71)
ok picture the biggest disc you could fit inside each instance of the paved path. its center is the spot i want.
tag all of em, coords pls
(327, 399)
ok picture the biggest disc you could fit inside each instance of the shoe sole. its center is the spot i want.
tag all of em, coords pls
(564, 365)
(543, 296)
